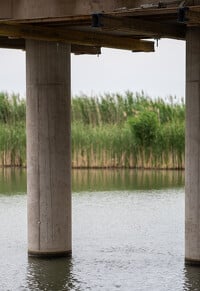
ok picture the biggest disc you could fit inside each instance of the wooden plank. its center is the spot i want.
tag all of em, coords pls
(194, 8)
(141, 27)
(147, 12)
(193, 17)
(190, 15)
(9, 43)
(82, 50)
(92, 38)
(86, 19)
(62, 10)
(67, 20)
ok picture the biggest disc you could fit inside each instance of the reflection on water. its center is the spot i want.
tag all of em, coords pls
(107, 180)
(128, 234)
(14, 180)
(51, 274)
(192, 278)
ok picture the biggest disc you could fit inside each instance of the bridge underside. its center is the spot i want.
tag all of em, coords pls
(49, 31)
(90, 25)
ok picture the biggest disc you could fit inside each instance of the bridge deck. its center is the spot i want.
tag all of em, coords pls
(122, 27)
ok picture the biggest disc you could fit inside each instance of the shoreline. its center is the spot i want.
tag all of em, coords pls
(107, 168)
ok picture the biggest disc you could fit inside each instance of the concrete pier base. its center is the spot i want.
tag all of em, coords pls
(192, 182)
(48, 148)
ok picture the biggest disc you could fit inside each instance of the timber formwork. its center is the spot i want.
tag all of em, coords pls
(90, 25)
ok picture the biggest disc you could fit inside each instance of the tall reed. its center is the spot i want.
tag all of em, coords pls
(112, 130)
(12, 130)
(132, 130)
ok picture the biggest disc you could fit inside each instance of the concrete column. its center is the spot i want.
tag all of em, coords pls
(192, 183)
(48, 148)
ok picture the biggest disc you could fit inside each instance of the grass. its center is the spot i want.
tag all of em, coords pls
(113, 130)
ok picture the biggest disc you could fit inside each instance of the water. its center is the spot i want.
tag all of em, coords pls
(128, 234)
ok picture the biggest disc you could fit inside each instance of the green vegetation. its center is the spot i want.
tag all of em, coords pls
(128, 131)
(12, 130)
(112, 130)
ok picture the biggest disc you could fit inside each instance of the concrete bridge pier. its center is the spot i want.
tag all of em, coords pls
(48, 148)
(192, 200)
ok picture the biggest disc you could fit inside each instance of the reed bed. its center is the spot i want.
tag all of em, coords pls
(129, 131)
(109, 131)
(12, 130)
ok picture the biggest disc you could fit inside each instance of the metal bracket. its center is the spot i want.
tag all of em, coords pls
(97, 20)
(182, 12)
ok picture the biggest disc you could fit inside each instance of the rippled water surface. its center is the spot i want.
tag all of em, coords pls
(128, 234)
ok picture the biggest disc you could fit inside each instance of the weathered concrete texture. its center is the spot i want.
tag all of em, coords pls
(29, 9)
(192, 199)
(6, 9)
(48, 148)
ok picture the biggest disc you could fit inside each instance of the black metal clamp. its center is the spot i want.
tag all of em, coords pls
(97, 20)
(182, 14)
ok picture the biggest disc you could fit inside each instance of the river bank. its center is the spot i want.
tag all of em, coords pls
(109, 131)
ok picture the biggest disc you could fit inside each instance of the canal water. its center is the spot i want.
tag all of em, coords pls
(128, 234)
